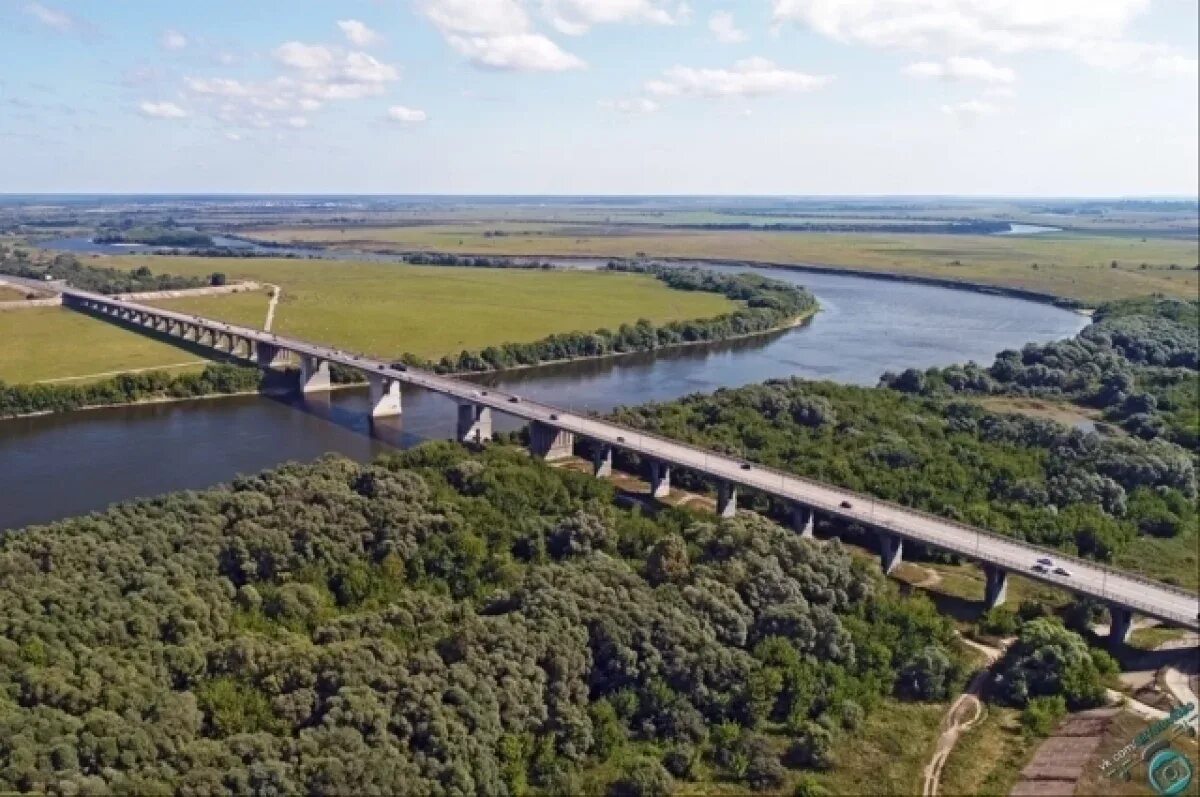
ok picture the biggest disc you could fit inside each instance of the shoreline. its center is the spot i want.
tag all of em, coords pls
(793, 323)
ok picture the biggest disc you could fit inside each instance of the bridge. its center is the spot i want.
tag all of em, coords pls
(554, 432)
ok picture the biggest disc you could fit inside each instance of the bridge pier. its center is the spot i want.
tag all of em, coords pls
(726, 499)
(602, 460)
(385, 396)
(1120, 624)
(549, 442)
(222, 341)
(802, 520)
(474, 423)
(660, 479)
(891, 551)
(268, 355)
(996, 588)
(314, 374)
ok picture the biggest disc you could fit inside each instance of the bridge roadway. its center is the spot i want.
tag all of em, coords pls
(1121, 590)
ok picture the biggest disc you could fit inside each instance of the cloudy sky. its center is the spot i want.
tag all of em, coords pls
(1015, 97)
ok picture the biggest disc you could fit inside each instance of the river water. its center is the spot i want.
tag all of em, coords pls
(57, 466)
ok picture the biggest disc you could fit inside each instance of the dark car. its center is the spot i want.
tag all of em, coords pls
(745, 466)
(846, 505)
(554, 416)
(515, 399)
(620, 439)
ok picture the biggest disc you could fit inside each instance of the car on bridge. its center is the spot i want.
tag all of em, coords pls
(1062, 571)
(846, 505)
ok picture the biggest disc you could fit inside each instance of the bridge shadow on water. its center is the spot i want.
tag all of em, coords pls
(347, 409)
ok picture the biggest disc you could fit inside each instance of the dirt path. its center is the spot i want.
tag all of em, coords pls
(122, 371)
(276, 292)
(965, 713)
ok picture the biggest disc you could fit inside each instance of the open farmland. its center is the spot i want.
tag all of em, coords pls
(1064, 264)
(386, 309)
(51, 343)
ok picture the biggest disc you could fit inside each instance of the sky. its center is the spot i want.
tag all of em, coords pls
(790, 97)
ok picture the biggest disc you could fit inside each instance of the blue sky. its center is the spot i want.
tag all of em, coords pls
(1014, 97)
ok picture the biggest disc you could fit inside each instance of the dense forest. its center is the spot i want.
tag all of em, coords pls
(768, 304)
(1031, 478)
(1137, 361)
(439, 622)
(155, 237)
(92, 278)
(128, 388)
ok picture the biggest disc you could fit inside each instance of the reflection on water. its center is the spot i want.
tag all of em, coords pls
(57, 466)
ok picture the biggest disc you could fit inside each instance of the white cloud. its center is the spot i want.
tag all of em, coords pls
(297, 122)
(172, 39)
(1093, 30)
(400, 113)
(358, 33)
(960, 68)
(60, 21)
(752, 77)
(725, 29)
(161, 110)
(523, 52)
(636, 105)
(233, 136)
(310, 57)
(497, 34)
(575, 17)
(970, 109)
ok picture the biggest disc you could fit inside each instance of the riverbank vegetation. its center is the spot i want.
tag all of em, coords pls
(1029, 478)
(766, 305)
(128, 388)
(1138, 363)
(1087, 267)
(441, 622)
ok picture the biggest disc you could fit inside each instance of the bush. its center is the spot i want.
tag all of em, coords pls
(1042, 714)
(643, 777)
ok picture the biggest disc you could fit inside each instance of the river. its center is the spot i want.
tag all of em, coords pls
(58, 466)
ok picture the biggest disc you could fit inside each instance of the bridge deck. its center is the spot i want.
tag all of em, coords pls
(1089, 578)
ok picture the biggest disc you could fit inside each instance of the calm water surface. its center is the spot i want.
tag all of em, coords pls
(57, 466)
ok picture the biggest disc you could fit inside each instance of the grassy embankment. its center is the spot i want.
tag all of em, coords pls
(375, 308)
(8, 294)
(1073, 265)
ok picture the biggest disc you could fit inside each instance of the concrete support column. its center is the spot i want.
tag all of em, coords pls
(314, 374)
(206, 336)
(268, 355)
(891, 551)
(802, 520)
(385, 396)
(660, 479)
(1120, 625)
(549, 442)
(474, 423)
(996, 589)
(726, 499)
(221, 341)
(602, 460)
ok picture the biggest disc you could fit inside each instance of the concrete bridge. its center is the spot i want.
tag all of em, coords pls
(554, 432)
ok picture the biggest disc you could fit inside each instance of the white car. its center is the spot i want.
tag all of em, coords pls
(1062, 571)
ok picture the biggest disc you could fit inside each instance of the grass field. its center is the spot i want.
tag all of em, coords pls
(387, 309)
(44, 343)
(988, 758)
(1068, 264)
(8, 294)
(247, 309)
(887, 755)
